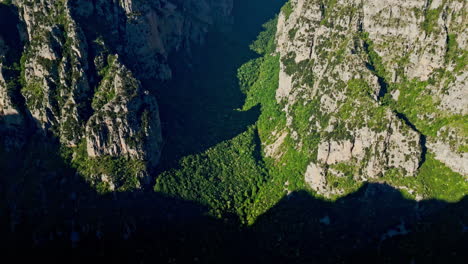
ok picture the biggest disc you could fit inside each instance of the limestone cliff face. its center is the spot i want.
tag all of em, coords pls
(126, 119)
(83, 63)
(389, 79)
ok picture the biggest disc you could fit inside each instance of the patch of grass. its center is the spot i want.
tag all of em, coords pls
(455, 54)
(287, 9)
(292, 33)
(441, 182)
(430, 19)
(463, 148)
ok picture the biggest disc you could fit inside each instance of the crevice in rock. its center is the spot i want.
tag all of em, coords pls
(312, 46)
(383, 92)
(353, 142)
(386, 143)
(422, 137)
(380, 79)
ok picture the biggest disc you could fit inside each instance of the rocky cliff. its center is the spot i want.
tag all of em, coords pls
(78, 74)
(371, 88)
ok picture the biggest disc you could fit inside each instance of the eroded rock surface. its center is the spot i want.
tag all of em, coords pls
(380, 81)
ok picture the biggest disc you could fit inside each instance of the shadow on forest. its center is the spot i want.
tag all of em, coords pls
(48, 211)
(200, 106)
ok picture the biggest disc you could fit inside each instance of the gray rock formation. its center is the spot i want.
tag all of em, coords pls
(126, 119)
(385, 74)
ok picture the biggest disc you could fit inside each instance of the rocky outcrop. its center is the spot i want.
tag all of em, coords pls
(126, 119)
(55, 70)
(376, 79)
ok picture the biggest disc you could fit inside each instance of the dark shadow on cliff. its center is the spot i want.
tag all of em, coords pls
(49, 212)
(200, 106)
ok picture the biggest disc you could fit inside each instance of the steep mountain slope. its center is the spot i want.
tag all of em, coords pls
(81, 70)
(373, 90)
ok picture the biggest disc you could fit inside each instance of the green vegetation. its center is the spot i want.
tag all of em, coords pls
(70, 128)
(455, 54)
(414, 102)
(248, 74)
(225, 177)
(33, 92)
(287, 9)
(265, 42)
(440, 182)
(359, 109)
(430, 19)
(235, 177)
(105, 92)
(111, 59)
(374, 58)
(434, 181)
(123, 172)
(292, 33)
(232, 176)
(287, 170)
(345, 182)
(463, 148)
(326, 7)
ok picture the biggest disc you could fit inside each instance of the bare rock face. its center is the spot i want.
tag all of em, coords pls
(126, 119)
(378, 79)
(55, 69)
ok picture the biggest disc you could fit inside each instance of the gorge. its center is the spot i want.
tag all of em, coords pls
(302, 131)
